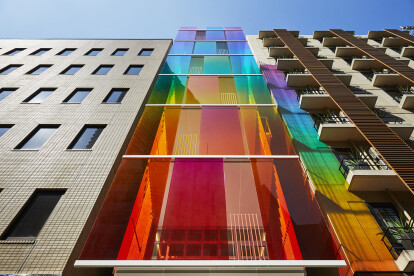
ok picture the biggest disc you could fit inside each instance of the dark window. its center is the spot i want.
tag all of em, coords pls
(78, 95)
(120, 52)
(9, 69)
(4, 92)
(87, 137)
(40, 52)
(40, 95)
(38, 137)
(115, 96)
(39, 69)
(66, 52)
(102, 70)
(71, 70)
(30, 221)
(133, 70)
(14, 51)
(146, 52)
(4, 129)
(93, 52)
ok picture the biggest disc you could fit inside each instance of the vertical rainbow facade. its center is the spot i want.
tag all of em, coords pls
(210, 173)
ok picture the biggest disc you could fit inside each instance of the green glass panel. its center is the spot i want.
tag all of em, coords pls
(244, 65)
(168, 90)
(176, 65)
(205, 48)
(252, 90)
(217, 65)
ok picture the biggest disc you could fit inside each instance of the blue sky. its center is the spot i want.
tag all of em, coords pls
(162, 18)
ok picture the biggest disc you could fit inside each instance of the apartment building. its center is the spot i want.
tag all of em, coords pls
(68, 109)
(346, 101)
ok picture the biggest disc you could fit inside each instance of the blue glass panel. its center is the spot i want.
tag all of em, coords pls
(239, 48)
(244, 65)
(8, 69)
(133, 70)
(235, 35)
(39, 97)
(94, 52)
(40, 52)
(40, 136)
(186, 35)
(120, 52)
(181, 47)
(5, 92)
(40, 69)
(215, 35)
(205, 48)
(78, 96)
(71, 70)
(4, 129)
(87, 138)
(103, 70)
(115, 96)
(66, 52)
(176, 65)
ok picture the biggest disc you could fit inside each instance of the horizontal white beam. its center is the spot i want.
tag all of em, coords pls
(209, 264)
(213, 156)
(200, 105)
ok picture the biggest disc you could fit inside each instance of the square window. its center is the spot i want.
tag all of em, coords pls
(40, 51)
(40, 95)
(14, 51)
(102, 70)
(8, 69)
(66, 52)
(72, 69)
(39, 69)
(38, 137)
(78, 95)
(4, 92)
(4, 129)
(115, 96)
(146, 52)
(133, 70)
(120, 52)
(87, 137)
(94, 52)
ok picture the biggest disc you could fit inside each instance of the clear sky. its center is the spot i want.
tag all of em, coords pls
(162, 18)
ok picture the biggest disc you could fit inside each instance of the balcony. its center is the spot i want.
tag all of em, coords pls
(394, 42)
(277, 42)
(338, 128)
(385, 78)
(319, 35)
(304, 79)
(316, 99)
(407, 52)
(285, 64)
(332, 42)
(284, 52)
(350, 51)
(403, 95)
(365, 170)
(271, 33)
(364, 64)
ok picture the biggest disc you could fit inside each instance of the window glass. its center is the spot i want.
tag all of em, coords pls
(176, 65)
(87, 137)
(4, 129)
(102, 70)
(77, 96)
(217, 65)
(38, 137)
(235, 35)
(252, 90)
(8, 69)
(205, 48)
(71, 70)
(14, 51)
(120, 52)
(93, 52)
(239, 48)
(186, 35)
(39, 69)
(133, 70)
(215, 35)
(39, 96)
(4, 92)
(146, 52)
(34, 215)
(222, 48)
(182, 47)
(115, 96)
(244, 65)
(66, 52)
(202, 90)
(40, 51)
(168, 90)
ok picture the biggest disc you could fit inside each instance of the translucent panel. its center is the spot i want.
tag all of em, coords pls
(222, 48)
(168, 89)
(196, 65)
(244, 65)
(205, 47)
(36, 139)
(202, 89)
(176, 65)
(217, 65)
(39, 69)
(200, 35)
(115, 96)
(8, 69)
(39, 96)
(133, 70)
(78, 96)
(186, 35)
(87, 138)
(215, 35)
(235, 35)
(182, 47)
(4, 129)
(252, 90)
(239, 48)
(6, 92)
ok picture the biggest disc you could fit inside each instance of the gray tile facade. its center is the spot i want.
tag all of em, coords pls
(85, 174)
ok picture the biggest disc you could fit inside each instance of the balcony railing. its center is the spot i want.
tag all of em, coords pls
(398, 93)
(348, 164)
(309, 91)
(370, 74)
(397, 239)
(329, 119)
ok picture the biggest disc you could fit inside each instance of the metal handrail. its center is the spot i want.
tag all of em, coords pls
(330, 120)
(397, 239)
(361, 164)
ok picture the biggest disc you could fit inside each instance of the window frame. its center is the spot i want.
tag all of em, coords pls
(131, 66)
(9, 126)
(66, 49)
(104, 101)
(65, 101)
(37, 67)
(146, 49)
(8, 53)
(80, 133)
(9, 66)
(32, 133)
(13, 89)
(40, 49)
(101, 66)
(120, 49)
(38, 91)
(88, 53)
(70, 67)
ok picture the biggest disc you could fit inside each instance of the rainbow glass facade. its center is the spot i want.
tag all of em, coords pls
(193, 185)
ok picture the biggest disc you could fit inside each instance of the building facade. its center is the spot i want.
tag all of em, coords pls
(68, 109)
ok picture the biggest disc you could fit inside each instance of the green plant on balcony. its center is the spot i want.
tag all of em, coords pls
(400, 231)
